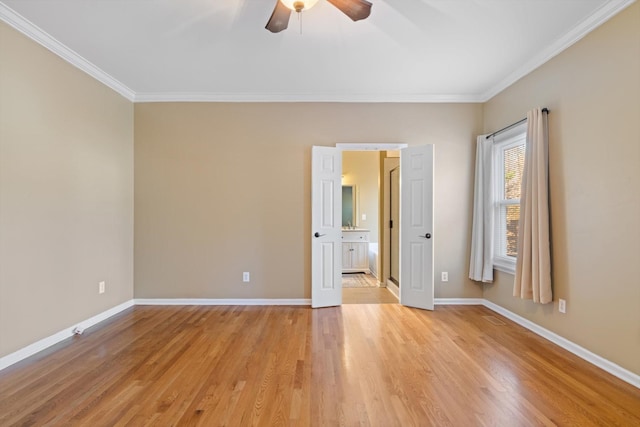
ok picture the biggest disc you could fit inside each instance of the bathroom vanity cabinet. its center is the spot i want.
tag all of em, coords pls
(355, 251)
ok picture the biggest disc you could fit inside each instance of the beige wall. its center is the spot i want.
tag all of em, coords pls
(360, 168)
(225, 188)
(66, 194)
(593, 92)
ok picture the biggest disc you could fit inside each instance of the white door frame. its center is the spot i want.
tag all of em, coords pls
(385, 270)
(368, 147)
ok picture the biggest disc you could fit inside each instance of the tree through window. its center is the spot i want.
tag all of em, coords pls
(513, 166)
(508, 161)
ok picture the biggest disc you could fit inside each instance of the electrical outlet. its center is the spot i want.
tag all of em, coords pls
(101, 287)
(445, 276)
(364, 217)
(246, 277)
(562, 306)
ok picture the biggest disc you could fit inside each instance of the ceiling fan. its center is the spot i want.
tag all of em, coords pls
(354, 9)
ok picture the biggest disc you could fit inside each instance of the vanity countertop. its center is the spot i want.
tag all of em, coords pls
(355, 229)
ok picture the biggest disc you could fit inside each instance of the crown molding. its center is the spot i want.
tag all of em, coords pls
(303, 97)
(36, 34)
(604, 13)
(599, 17)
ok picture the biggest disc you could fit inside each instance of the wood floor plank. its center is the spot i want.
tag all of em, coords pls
(368, 296)
(368, 364)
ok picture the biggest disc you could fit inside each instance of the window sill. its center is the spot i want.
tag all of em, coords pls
(506, 265)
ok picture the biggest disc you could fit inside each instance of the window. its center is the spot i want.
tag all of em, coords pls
(508, 167)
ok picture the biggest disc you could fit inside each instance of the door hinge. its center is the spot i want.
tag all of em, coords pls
(390, 223)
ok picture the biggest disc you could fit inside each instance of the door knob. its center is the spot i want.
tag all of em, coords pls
(318, 234)
(426, 236)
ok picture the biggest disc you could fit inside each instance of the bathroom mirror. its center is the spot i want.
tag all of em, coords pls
(348, 205)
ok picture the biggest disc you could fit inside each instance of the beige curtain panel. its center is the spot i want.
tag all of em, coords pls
(533, 264)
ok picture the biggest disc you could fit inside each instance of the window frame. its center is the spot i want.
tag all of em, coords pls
(514, 137)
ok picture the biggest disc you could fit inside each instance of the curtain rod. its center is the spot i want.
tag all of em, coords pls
(544, 110)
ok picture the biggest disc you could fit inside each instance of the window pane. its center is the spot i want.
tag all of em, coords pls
(508, 170)
(513, 168)
(512, 220)
(507, 230)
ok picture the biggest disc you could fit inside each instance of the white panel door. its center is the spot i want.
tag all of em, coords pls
(326, 227)
(416, 226)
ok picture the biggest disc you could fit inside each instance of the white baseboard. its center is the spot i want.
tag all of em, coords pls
(207, 301)
(62, 335)
(394, 295)
(602, 363)
(458, 301)
(599, 361)
(394, 289)
(583, 353)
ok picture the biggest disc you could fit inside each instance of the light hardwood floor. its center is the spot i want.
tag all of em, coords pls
(368, 296)
(363, 289)
(382, 365)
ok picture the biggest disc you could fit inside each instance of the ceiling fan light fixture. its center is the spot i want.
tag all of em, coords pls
(299, 5)
(354, 9)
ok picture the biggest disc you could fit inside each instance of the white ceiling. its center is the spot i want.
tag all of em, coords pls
(219, 50)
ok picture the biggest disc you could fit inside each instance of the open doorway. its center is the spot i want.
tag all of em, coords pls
(362, 229)
(416, 224)
(391, 224)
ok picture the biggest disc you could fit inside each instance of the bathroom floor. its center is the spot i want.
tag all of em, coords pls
(359, 280)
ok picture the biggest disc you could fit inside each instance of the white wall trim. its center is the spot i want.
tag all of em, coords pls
(305, 97)
(38, 35)
(608, 10)
(458, 301)
(599, 361)
(394, 289)
(583, 353)
(371, 146)
(599, 17)
(225, 301)
(62, 335)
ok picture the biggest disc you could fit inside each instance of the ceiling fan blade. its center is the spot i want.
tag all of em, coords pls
(354, 9)
(279, 18)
